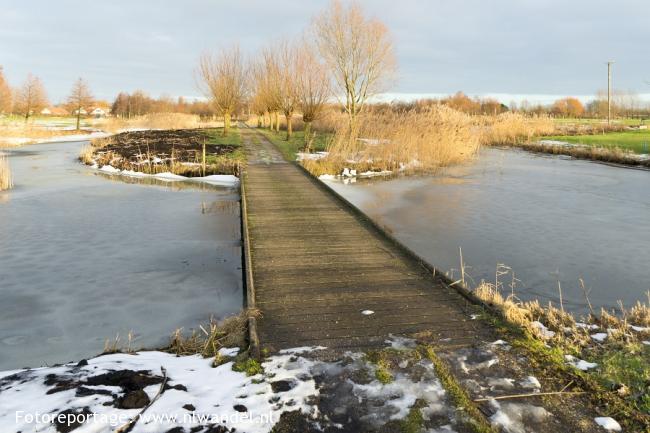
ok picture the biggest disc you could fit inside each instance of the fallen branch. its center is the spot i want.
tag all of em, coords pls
(531, 394)
(126, 428)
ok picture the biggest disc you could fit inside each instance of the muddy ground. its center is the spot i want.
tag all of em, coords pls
(179, 151)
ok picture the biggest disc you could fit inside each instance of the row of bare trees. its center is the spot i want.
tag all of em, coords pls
(344, 55)
(31, 97)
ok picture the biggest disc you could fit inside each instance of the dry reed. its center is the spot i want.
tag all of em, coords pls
(209, 338)
(513, 128)
(151, 121)
(6, 181)
(418, 141)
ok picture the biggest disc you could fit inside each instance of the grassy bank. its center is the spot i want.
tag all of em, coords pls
(607, 354)
(185, 152)
(637, 141)
(296, 143)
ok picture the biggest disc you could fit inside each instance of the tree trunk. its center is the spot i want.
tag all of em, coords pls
(289, 117)
(277, 121)
(226, 123)
(308, 136)
(78, 118)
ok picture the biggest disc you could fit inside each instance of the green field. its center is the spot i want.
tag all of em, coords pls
(296, 143)
(591, 121)
(635, 141)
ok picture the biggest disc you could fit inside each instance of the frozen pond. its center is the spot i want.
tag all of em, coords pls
(548, 218)
(85, 257)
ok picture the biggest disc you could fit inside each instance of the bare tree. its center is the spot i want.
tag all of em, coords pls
(268, 82)
(223, 78)
(31, 97)
(287, 83)
(359, 53)
(312, 86)
(79, 98)
(5, 94)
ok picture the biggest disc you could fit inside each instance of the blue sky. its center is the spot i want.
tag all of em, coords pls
(520, 47)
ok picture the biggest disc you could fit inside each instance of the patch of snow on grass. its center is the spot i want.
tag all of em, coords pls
(514, 417)
(400, 394)
(543, 330)
(640, 328)
(580, 364)
(600, 337)
(608, 423)
(530, 382)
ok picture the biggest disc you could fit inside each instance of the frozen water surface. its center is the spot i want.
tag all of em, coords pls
(548, 218)
(85, 256)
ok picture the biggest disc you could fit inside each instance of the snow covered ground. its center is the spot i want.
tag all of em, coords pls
(189, 394)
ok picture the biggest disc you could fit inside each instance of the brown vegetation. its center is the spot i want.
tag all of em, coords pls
(418, 141)
(6, 100)
(513, 128)
(568, 107)
(151, 121)
(6, 181)
(186, 152)
(30, 97)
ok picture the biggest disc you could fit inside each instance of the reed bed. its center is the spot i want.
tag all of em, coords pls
(6, 180)
(209, 338)
(513, 128)
(392, 141)
(151, 121)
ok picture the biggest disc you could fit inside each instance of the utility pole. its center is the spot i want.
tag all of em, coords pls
(609, 91)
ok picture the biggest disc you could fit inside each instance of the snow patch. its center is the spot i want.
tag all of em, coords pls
(580, 364)
(608, 423)
(530, 382)
(600, 337)
(247, 403)
(514, 417)
(543, 330)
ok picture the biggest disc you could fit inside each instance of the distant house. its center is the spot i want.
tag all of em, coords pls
(98, 112)
(54, 111)
(81, 111)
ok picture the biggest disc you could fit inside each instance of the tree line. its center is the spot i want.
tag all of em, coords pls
(343, 55)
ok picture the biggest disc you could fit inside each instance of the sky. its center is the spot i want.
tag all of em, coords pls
(516, 49)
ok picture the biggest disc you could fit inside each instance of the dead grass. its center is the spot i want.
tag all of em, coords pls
(416, 141)
(151, 121)
(21, 133)
(209, 338)
(6, 181)
(513, 128)
(592, 153)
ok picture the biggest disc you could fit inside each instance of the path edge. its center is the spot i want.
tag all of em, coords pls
(435, 272)
(247, 264)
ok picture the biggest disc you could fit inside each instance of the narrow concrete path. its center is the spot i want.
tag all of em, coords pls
(324, 277)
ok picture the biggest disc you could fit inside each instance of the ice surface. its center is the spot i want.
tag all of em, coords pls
(87, 255)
